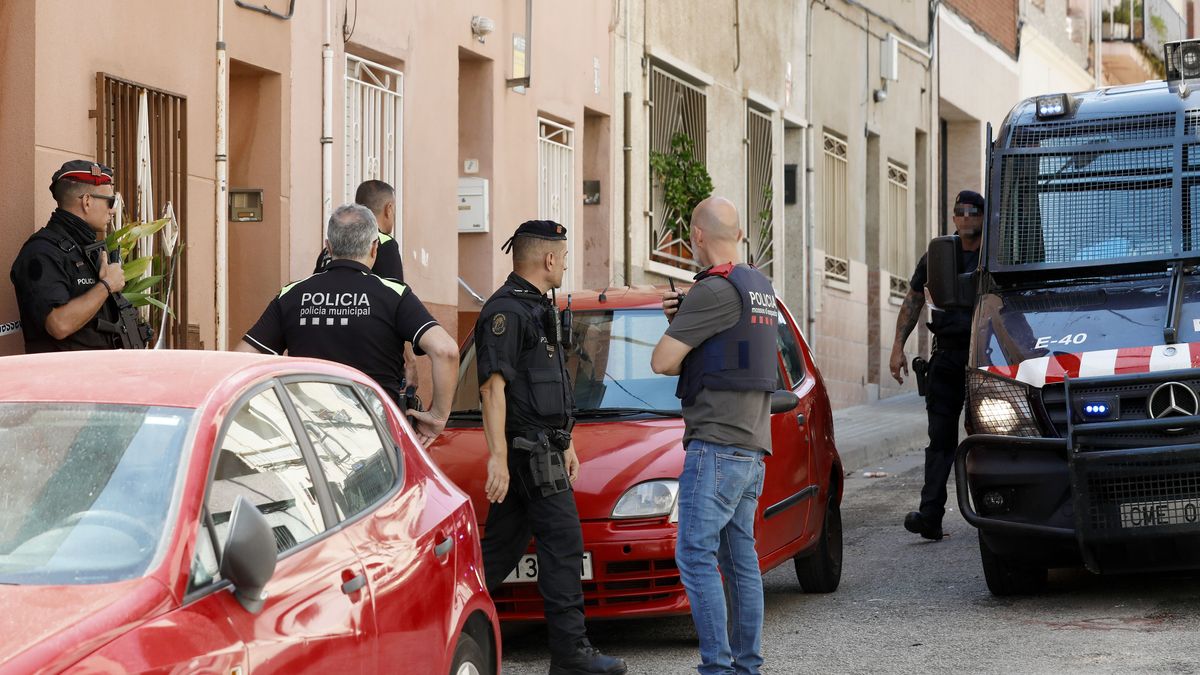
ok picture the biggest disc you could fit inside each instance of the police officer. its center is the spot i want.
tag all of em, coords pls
(722, 343)
(380, 198)
(348, 315)
(67, 290)
(946, 376)
(527, 402)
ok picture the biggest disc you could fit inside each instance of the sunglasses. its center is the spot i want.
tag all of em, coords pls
(111, 199)
(966, 211)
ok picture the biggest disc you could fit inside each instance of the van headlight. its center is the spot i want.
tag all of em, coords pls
(999, 405)
(648, 500)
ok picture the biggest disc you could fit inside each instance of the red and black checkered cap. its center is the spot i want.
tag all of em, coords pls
(83, 171)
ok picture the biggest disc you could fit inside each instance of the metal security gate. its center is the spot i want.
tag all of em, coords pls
(116, 146)
(675, 107)
(556, 182)
(374, 122)
(760, 229)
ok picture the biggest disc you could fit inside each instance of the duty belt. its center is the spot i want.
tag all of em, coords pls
(546, 464)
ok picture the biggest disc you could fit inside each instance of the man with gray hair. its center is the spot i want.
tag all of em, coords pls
(347, 314)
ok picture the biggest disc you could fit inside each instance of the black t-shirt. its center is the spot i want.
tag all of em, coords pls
(49, 272)
(389, 264)
(348, 315)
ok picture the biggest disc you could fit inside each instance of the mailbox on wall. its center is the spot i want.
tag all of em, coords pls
(246, 205)
(472, 204)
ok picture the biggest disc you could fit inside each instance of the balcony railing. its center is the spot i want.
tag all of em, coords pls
(1149, 22)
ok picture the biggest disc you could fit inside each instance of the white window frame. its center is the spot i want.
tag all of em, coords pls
(899, 228)
(374, 130)
(556, 184)
(834, 228)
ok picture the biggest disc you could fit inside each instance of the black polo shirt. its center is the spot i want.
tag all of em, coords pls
(389, 264)
(348, 315)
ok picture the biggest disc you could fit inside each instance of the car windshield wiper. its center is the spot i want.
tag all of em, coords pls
(621, 412)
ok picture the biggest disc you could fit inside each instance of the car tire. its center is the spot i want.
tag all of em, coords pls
(469, 658)
(1006, 576)
(820, 570)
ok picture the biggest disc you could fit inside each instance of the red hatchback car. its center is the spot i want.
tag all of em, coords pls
(227, 513)
(628, 436)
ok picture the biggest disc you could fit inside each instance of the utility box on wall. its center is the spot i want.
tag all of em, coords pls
(472, 204)
(246, 205)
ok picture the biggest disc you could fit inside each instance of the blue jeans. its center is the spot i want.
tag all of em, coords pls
(718, 494)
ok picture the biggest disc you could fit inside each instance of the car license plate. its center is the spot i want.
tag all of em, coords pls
(1155, 514)
(527, 569)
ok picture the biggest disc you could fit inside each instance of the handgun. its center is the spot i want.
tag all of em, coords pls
(920, 368)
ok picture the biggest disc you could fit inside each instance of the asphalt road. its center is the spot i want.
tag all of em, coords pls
(910, 606)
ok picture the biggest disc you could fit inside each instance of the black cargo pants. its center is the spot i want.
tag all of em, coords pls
(553, 522)
(945, 391)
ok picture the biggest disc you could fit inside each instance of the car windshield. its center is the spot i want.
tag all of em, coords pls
(608, 361)
(85, 489)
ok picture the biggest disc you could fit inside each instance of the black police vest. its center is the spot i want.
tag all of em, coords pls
(952, 327)
(90, 335)
(741, 358)
(541, 381)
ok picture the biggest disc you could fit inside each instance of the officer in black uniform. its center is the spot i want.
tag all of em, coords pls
(68, 293)
(526, 403)
(945, 388)
(349, 315)
(380, 198)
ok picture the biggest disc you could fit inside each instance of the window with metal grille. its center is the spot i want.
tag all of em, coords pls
(117, 105)
(760, 218)
(676, 107)
(373, 132)
(834, 235)
(556, 182)
(898, 244)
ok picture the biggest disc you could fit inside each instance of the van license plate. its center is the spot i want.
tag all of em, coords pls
(527, 569)
(1156, 514)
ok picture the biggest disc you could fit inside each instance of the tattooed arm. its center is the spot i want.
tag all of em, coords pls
(906, 321)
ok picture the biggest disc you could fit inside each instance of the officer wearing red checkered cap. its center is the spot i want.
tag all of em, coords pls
(946, 378)
(62, 276)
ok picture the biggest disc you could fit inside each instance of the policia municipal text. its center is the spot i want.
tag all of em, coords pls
(526, 403)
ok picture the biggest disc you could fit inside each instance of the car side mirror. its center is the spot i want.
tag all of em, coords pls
(783, 401)
(949, 286)
(248, 560)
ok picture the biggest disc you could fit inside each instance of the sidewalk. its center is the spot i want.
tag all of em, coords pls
(870, 433)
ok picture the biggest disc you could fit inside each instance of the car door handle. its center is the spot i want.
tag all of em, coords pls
(354, 585)
(443, 547)
(800, 419)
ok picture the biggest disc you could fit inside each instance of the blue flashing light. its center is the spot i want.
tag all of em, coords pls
(1096, 409)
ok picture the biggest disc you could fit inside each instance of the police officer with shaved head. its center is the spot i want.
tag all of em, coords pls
(526, 402)
(64, 281)
(349, 315)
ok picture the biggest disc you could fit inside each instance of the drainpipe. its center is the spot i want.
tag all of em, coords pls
(810, 315)
(221, 193)
(627, 150)
(327, 122)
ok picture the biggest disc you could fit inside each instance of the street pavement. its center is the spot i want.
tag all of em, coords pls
(906, 605)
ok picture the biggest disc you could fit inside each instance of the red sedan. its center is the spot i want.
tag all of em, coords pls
(628, 437)
(227, 513)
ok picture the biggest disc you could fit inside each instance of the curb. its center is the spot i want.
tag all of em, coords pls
(870, 433)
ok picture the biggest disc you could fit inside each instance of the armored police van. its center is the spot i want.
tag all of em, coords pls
(1084, 365)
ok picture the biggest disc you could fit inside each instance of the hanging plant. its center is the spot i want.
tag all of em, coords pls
(685, 183)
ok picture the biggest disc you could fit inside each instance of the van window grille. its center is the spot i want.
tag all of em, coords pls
(1086, 132)
(1061, 208)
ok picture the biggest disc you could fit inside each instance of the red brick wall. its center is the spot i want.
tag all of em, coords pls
(996, 19)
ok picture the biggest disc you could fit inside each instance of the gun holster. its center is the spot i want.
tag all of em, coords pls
(546, 463)
(920, 368)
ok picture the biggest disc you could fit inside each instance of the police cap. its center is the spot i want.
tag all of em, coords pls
(83, 171)
(970, 197)
(541, 229)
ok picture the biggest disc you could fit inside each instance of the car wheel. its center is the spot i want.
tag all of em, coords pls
(1006, 576)
(820, 570)
(469, 658)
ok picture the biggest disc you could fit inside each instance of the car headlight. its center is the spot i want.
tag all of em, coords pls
(999, 405)
(648, 500)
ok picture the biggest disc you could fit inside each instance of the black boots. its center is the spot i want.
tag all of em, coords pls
(918, 524)
(586, 660)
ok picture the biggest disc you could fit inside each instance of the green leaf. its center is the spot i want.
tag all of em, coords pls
(137, 299)
(142, 284)
(159, 304)
(136, 267)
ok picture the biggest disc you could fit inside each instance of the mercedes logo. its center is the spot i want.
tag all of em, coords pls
(1172, 399)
